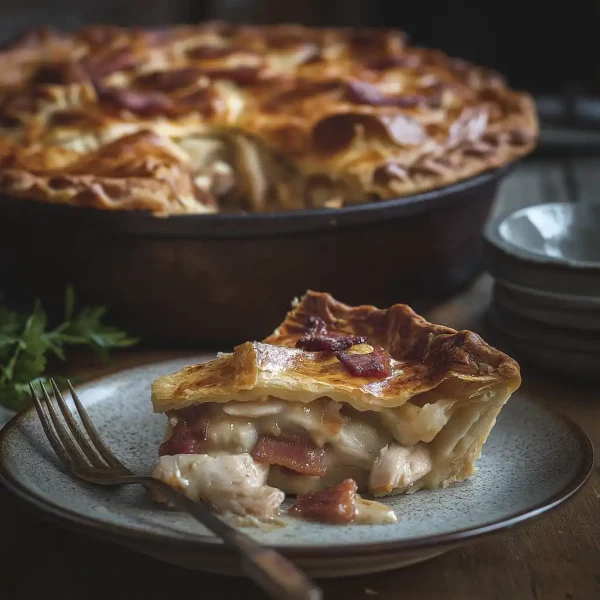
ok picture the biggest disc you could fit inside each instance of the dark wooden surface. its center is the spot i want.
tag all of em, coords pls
(557, 557)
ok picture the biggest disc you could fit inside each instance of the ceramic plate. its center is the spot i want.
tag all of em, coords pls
(533, 461)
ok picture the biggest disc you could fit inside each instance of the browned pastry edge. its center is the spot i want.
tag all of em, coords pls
(135, 172)
(402, 332)
(430, 362)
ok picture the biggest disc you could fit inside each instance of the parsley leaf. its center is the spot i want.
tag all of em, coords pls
(26, 341)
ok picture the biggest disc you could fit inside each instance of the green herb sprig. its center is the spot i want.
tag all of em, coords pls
(27, 341)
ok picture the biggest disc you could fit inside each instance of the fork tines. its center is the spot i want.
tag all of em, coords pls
(70, 443)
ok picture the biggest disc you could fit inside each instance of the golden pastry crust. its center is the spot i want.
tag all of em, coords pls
(306, 117)
(139, 171)
(402, 332)
(426, 359)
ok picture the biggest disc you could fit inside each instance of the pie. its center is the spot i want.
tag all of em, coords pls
(337, 393)
(219, 117)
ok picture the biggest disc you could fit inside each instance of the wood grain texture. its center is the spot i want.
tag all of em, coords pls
(555, 558)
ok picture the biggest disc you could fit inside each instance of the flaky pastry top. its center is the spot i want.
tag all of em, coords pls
(358, 106)
(428, 362)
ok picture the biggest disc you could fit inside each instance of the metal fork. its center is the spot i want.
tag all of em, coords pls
(89, 458)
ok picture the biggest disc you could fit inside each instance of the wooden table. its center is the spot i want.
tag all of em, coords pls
(557, 557)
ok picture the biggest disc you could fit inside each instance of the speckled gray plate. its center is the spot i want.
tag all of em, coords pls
(533, 461)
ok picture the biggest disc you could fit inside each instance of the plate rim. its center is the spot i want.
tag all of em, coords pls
(71, 519)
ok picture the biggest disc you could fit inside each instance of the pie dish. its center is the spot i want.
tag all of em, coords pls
(217, 117)
(336, 393)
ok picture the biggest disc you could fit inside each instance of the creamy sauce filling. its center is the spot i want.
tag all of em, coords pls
(384, 452)
(354, 440)
(369, 512)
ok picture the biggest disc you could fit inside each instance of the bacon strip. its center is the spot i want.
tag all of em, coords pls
(190, 435)
(146, 104)
(243, 75)
(168, 81)
(375, 364)
(329, 342)
(292, 451)
(318, 339)
(334, 505)
(102, 65)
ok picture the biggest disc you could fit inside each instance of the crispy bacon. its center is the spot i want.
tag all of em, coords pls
(302, 90)
(184, 441)
(190, 435)
(334, 505)
(120, 59)
(329, 342)
(168, 81)
(146, 104)
(204, 100)
(318, 339)
(244, 75)
(336, 132)
(292, 451)
(375, 364)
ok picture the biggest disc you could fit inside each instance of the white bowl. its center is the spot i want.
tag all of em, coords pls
(552, 248)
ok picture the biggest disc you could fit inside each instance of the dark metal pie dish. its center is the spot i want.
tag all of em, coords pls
(224, 278)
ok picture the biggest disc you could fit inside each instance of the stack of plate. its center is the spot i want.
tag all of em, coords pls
(545, 260)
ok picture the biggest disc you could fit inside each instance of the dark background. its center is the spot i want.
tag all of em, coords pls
(549, 50)
(538, 46)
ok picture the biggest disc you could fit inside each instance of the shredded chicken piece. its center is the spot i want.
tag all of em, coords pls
(397, 467)
(231, 483)
(252, 181)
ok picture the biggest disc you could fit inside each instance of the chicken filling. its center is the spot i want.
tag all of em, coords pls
(242, 174)
(242, 456)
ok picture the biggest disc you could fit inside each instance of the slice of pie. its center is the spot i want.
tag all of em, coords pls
(381, 397)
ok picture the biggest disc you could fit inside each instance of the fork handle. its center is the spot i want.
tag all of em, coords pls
(274, 573)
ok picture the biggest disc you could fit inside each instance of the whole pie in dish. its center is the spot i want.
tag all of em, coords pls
(358, 398)
(217, 117)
